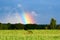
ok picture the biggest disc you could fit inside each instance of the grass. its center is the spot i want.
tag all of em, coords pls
(24, 35)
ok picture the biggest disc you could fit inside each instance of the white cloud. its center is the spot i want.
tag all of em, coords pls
(19, 5)
(34, 13)
(13, 18)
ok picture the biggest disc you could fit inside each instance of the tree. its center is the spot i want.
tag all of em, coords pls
(9, 25)
(19, 26)
(0, 25)
(31, 26)
(53, 23)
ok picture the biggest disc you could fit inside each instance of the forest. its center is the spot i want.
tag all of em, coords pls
(20, 26)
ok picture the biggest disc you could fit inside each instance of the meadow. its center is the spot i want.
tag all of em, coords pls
(25, 35)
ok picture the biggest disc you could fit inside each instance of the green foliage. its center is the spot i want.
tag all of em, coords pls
(0, 25)
(19, 26)
(53, 23)
(31, 26)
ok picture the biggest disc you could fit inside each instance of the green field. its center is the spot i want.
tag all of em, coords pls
(24, 35)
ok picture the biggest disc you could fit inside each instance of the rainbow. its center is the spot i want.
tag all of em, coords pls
(27, 18)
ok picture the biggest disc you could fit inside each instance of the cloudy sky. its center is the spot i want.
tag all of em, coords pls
(41, 10)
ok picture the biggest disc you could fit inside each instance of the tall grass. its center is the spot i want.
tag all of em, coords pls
(36, 35)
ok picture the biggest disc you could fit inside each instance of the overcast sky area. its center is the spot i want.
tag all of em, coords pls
(41, 10)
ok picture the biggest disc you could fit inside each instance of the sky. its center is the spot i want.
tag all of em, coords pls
(41, 11)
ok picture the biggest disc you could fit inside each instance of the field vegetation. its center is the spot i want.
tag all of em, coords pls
(30, 31)
(30, 35)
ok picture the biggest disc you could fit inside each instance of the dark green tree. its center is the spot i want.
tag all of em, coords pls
(9, 25)
(53, 23)
(0, 26)
(19, 26)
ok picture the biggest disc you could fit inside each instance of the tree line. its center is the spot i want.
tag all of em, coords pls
(19, 26)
